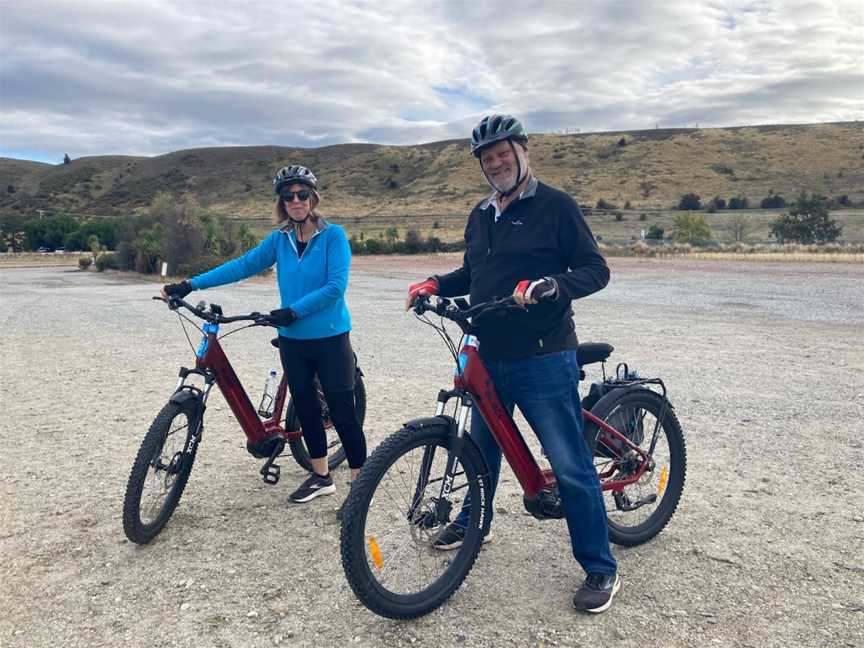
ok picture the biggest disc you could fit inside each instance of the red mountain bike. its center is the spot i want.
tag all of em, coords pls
(164, 461)
(417, 480)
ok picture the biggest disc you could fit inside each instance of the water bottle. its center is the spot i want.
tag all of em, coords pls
(269, 397)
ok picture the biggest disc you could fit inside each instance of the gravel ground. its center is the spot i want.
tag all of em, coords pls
(763, 362)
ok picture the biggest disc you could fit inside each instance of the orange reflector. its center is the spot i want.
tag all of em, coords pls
(376, 552)
(661, 484)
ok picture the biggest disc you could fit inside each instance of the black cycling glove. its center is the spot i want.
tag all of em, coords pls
(178, 289)
(281, 317)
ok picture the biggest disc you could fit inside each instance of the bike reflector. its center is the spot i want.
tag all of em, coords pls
(661, 484)
(376, 553)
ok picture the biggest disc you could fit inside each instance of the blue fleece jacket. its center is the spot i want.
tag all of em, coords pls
(312, 285)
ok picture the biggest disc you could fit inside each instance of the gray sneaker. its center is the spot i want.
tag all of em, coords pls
(314, 486)
(453, 536)
(596, 593)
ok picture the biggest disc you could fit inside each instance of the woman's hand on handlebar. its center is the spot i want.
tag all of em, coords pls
(177, 289)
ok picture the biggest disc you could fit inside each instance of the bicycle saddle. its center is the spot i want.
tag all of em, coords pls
(591, 352)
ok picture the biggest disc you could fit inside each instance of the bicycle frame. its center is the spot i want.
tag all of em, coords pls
(473, 382)
(213, 364)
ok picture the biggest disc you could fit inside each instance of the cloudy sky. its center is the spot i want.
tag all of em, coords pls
(138, 77)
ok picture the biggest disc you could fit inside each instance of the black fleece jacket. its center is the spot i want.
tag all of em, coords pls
(543, 235)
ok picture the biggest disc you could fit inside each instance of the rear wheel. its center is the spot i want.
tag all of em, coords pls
(160, 472)
(399, 505)
(639, 511)
(335, 451)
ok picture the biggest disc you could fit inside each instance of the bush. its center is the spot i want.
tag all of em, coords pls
(690, 201)
(199, 265)
(84, 262)
(738, 202)
(772, 202)
(413, 242)
(655, 233)
(604, 204)
(107, 261)
(643, 216)
(716, 203)
(374, 246)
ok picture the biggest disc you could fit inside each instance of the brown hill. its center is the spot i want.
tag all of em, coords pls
(650, 169)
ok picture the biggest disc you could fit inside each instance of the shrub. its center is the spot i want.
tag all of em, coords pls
(643, 216)
(413, 242)
(374, 246)
(618, 216)
(723, 169)
(84, 262)
(716, 203)
(655, 232)
(627, 205)
(107, 261)
(690, 201)
(772, 202)
(604, 204)
(199, 264)
(738, 202)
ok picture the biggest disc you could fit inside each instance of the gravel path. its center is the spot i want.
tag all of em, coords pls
(764, 364)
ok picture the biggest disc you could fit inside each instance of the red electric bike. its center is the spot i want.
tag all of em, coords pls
(167, 453)
(417, 481)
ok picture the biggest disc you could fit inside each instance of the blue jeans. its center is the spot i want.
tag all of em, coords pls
(546, 390)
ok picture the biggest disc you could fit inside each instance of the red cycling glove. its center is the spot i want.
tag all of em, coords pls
(428, 287)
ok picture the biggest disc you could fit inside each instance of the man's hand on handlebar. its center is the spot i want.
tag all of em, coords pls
(177, 289)
(532, 292)
(428, 287)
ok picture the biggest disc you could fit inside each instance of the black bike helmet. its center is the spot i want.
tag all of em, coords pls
(495, 128)
(294, 173)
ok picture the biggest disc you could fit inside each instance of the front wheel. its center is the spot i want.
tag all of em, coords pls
(160, 471)
(640, 510)
(399, 506)
(335, 451)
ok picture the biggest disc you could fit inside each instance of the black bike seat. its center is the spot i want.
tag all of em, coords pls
(591, 352)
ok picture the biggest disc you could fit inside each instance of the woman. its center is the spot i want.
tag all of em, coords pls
(312, 258)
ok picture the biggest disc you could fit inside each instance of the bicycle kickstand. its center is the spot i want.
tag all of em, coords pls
(270, 470)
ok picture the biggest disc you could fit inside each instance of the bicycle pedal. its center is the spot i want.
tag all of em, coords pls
(270, 473)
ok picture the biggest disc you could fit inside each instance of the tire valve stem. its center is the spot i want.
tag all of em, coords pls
(376, 553)
(661, 484)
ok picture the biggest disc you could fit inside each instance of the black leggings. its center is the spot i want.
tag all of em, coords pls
(332, 359)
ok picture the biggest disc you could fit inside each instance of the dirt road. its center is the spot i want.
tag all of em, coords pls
(764, 364)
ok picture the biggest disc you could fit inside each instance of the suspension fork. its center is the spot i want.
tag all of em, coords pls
(457, 433)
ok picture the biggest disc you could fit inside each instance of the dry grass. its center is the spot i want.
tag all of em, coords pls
(413, 186)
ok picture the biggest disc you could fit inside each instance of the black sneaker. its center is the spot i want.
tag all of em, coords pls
(595, 594)
(314, 486)
(452, 537)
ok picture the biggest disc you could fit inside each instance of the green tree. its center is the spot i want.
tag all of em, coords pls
(807, 222)
(691, 228)
(392, 235)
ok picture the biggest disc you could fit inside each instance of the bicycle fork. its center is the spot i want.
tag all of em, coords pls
(439, 515)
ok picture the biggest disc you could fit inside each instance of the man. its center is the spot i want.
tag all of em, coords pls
(531, 240)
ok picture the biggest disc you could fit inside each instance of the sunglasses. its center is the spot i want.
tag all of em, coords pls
(302, 195)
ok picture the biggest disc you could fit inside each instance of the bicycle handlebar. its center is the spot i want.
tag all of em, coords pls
(214, 313)
(465, 315)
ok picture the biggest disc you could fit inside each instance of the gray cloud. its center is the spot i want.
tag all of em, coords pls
(89, 77)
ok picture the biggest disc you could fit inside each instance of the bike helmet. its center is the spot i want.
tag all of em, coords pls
(495, 128)
(294, 173)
